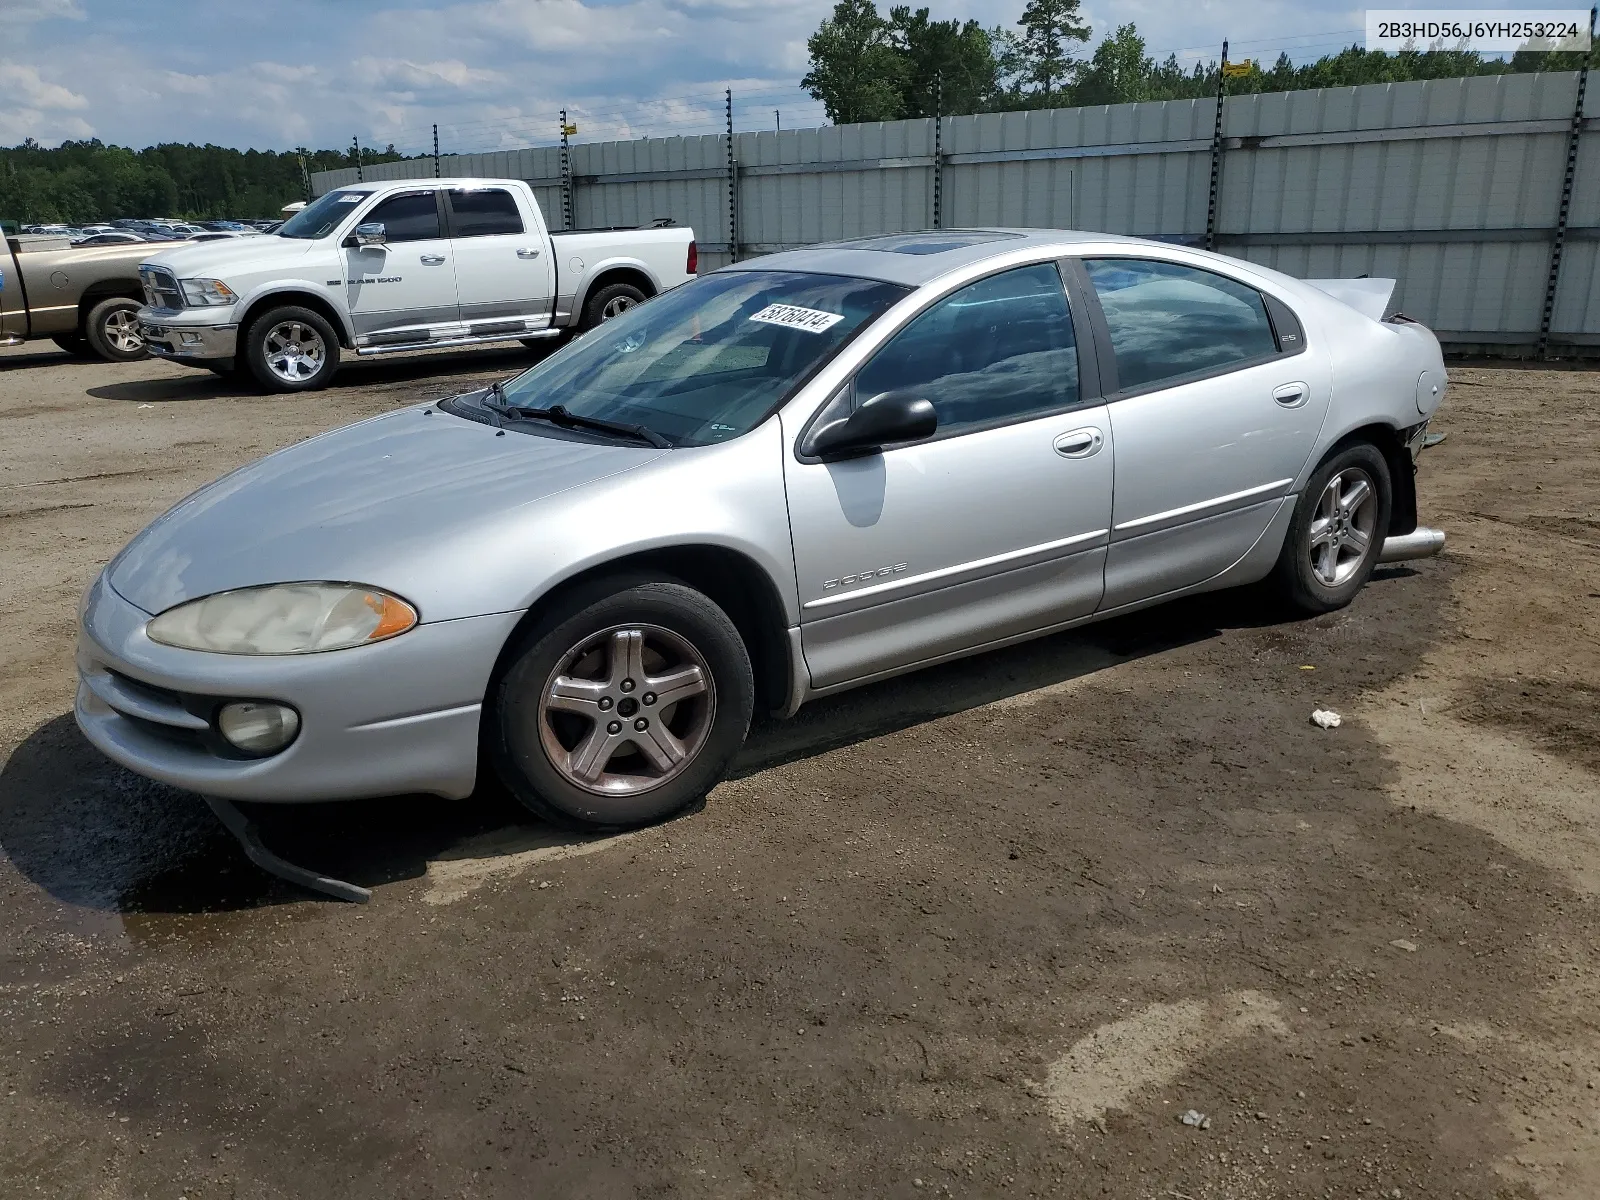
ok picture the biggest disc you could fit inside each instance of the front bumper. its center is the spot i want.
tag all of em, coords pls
(393, 718)
(189, 333)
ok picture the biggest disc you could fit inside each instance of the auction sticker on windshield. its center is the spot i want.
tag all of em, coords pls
(792, 316)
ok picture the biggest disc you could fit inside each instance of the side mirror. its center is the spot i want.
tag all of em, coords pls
(884, 420)
(368, 233)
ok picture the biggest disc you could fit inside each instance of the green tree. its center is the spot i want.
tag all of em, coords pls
(1120, 71)
(855, 70)
(1047, 27)
(948, 57)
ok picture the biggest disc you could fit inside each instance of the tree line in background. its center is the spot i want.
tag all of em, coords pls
(79, 182)
(866, 66)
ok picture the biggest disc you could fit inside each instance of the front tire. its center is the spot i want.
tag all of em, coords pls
(1337, 532)
(622, 705)
(291, 349)
(112, 331)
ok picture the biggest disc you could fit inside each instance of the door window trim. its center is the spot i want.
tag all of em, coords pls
(1088, 397)
(438, 208)
(447, 214)
(1111, 384)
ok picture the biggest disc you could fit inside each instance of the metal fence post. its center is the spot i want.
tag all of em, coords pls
(355, 144)
(1216, 152)
(566, 175)
(938, 151)
(1558, 243)
(733, 184)
(436, 151)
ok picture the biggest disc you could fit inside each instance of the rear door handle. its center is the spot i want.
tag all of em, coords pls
(432, 260)
(1291, 395)
(526, 252)
(1080, 443)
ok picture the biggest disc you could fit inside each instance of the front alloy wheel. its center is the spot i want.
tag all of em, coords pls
(627, 710)
(290, 349)
(622, 704)
(295, 352)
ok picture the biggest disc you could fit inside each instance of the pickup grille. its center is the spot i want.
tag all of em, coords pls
(160, 288)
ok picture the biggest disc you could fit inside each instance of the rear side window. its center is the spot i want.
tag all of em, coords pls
(413, 217)
(998, 350)
(483, 212)
(1167, 321)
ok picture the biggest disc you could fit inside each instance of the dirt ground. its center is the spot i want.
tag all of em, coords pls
(985, 931)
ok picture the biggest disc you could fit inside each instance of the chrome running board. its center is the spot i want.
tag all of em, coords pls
(10, 339)
(452, 343)
(1421, 542)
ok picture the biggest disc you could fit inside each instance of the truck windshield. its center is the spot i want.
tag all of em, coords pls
(322, 216)
(709, 360)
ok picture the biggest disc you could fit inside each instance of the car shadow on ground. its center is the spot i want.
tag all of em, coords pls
(93, 835)
(38, 356)
(452, 371)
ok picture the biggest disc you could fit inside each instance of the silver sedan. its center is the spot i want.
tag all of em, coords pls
(792, 476)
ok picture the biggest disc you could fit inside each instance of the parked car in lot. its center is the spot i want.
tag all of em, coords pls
(787, 478)
(386, 267)
(84, 298)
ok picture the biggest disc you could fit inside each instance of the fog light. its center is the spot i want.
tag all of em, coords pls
(257, 727)
(190, 339)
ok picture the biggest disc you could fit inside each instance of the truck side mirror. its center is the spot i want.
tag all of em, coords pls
(368, 233)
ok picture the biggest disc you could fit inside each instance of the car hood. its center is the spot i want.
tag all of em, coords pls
(414, 502)
(211, 259)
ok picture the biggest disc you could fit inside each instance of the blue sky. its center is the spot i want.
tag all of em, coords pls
(492, 73)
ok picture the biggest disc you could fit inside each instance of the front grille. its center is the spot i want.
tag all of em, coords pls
(160, 288)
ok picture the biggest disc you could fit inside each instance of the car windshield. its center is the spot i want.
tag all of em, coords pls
(322, 216)
(709, 360)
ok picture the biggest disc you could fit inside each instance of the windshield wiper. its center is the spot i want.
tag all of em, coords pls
(556, 414)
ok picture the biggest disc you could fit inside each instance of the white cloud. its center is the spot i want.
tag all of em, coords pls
(22, 84)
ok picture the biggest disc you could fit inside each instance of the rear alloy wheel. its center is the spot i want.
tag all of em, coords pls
(1339, 525)
(610, 301)
(623, 707)
(112, 330)
(291, 350)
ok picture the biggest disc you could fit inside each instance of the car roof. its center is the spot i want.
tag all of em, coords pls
(919, 257)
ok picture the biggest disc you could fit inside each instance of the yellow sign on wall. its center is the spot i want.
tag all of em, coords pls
(1239, 69)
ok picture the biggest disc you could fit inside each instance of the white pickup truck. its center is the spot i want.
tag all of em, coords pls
(380, 268)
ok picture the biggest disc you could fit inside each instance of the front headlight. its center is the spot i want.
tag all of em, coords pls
(284, 618)
(205, 292)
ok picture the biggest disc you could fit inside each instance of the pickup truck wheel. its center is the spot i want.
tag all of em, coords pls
(112, 330)
(74, 344)
(291, 350)
(621, 706)
(1337, 531)
(610, 301)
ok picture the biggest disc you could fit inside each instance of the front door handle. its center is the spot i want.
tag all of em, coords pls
(527, 252)
(1080, 443)
(432, 260)
(1291, 395)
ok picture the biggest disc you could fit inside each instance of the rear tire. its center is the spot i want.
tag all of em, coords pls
(113, 333)
(291, 349)
(598, 668)
(610, 301)
(1337, 531)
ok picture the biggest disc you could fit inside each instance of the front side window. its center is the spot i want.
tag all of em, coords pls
(322, 216)
(483, 212)
(709, 360)
(998, 350)
(1167, 321)
(413, 217)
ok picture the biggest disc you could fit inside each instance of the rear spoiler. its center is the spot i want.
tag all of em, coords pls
(1369, 297)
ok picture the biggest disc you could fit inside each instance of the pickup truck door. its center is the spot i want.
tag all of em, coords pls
(505, 279)
(405, 289)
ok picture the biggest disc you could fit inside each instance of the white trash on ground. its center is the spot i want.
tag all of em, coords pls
(1326, 718)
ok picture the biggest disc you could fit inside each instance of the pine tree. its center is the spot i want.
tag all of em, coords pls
(1048, 25)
